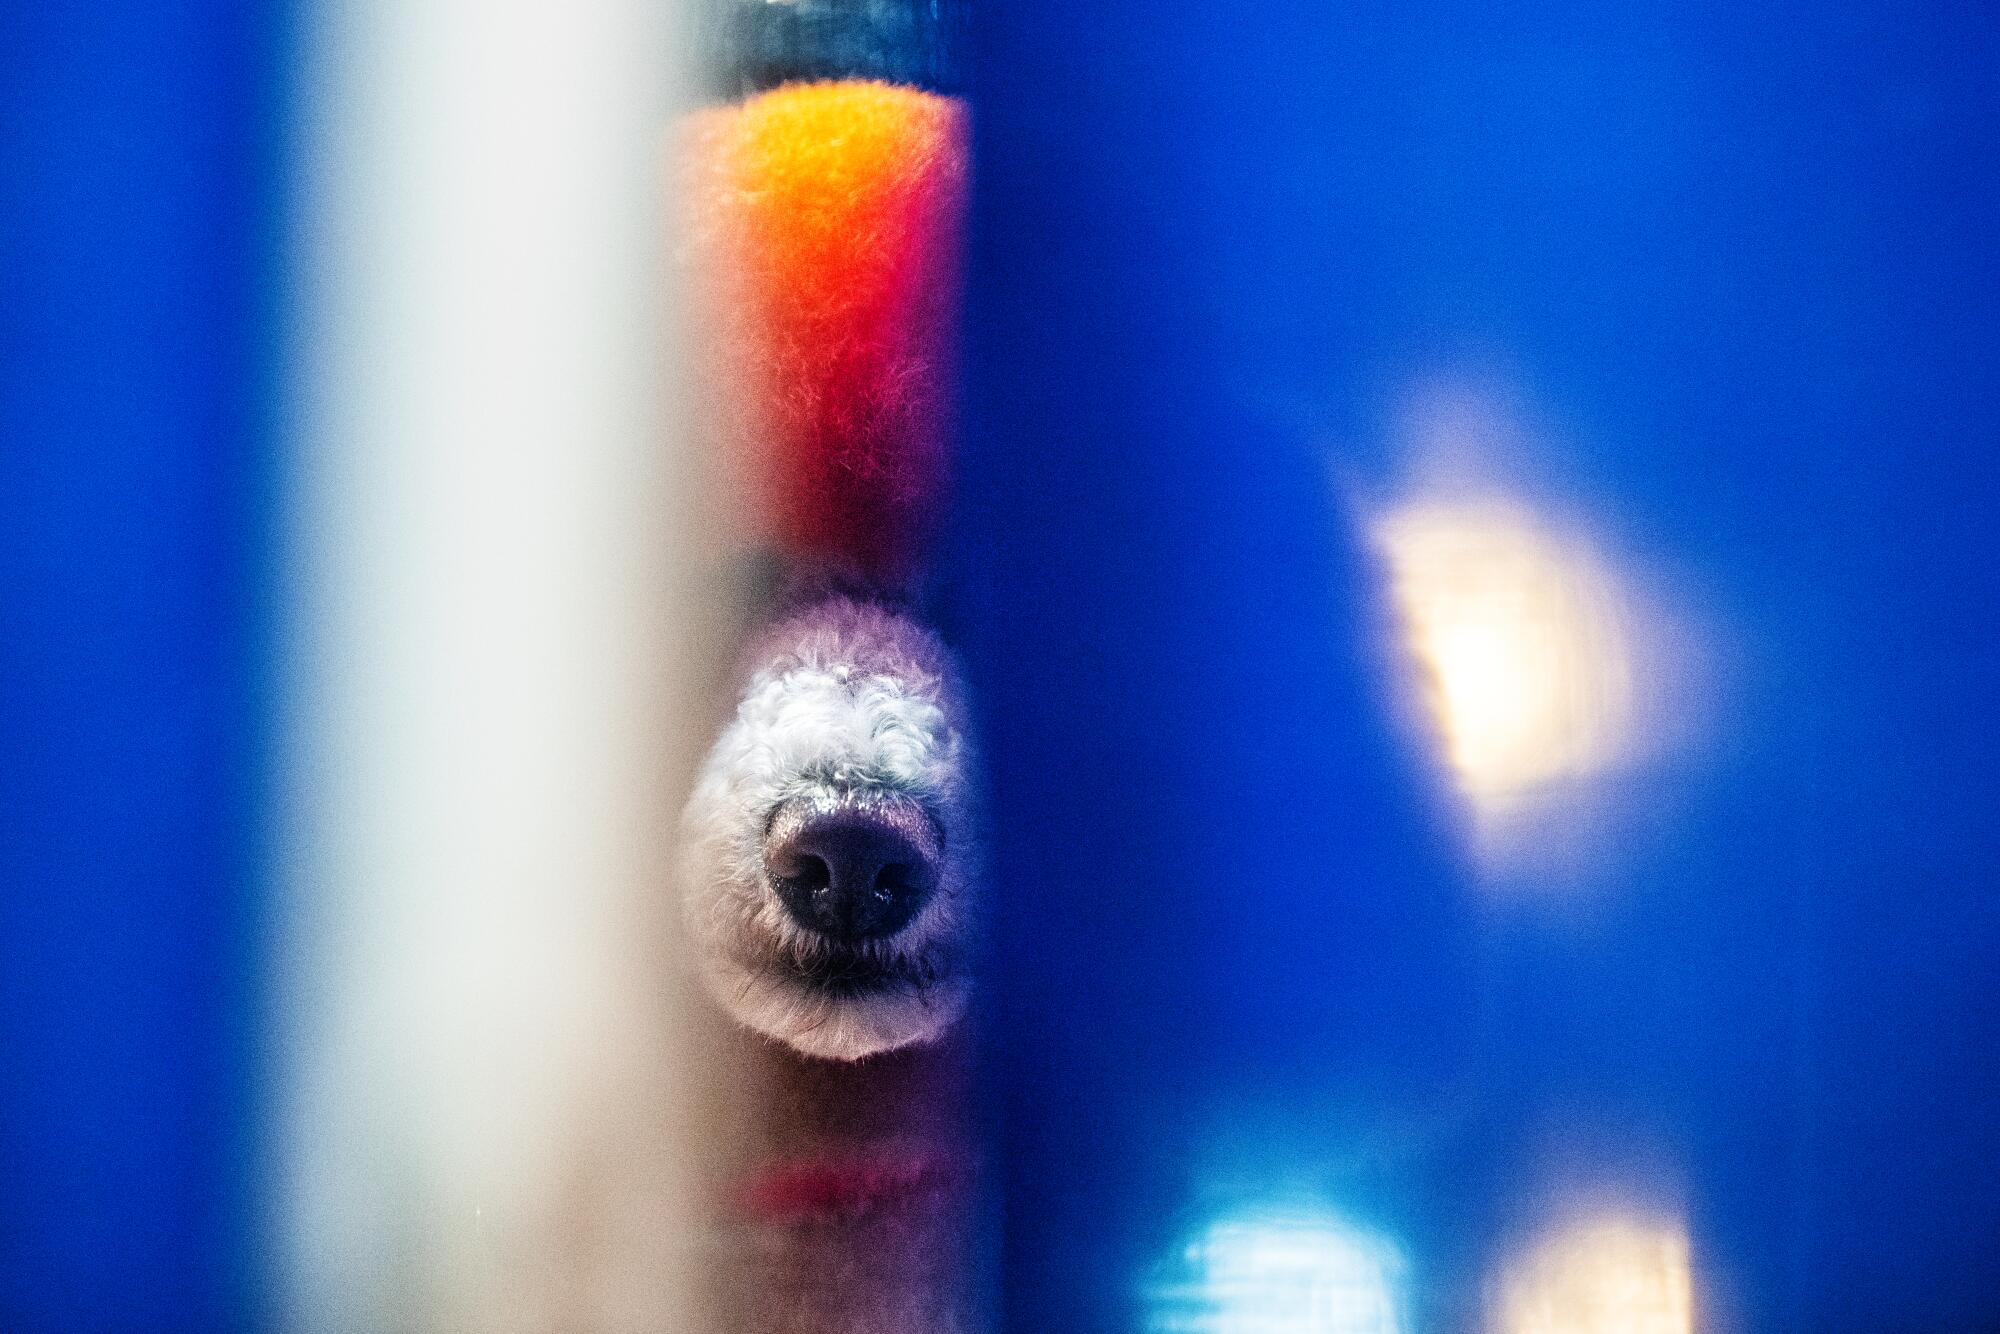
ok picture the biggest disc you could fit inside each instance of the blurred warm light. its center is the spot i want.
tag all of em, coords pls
(1520, 634)
(1294, 1272)
(1613, 1274)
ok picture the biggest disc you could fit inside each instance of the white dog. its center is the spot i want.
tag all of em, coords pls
(828, 850)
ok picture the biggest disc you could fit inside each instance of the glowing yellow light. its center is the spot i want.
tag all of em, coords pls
(1521, 638)
(1607, 1275)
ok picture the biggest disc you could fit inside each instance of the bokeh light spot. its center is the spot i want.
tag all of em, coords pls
(1520, 637)
(1280, 1272)
(1610, 1274)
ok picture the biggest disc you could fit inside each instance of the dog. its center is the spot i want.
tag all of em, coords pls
(829, 852)
(830, 858)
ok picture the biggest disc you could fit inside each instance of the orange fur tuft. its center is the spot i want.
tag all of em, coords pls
(826, 230)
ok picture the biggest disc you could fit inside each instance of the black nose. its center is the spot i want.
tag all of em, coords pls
(852, 871)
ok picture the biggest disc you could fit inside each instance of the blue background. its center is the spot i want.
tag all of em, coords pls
(137, 170)
(1747, 257)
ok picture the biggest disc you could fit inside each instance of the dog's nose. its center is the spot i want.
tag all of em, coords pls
(851, 871)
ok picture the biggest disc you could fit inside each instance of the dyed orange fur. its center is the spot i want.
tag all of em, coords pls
(826, 220)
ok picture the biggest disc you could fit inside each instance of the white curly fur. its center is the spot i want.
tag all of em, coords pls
(845, 699)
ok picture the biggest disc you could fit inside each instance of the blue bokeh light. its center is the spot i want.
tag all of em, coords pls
(1280, 1271)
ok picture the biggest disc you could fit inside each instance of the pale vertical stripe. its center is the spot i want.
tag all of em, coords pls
(480, 673)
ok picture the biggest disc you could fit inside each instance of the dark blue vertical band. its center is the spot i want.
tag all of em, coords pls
(133, 238)
(1226, 951)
